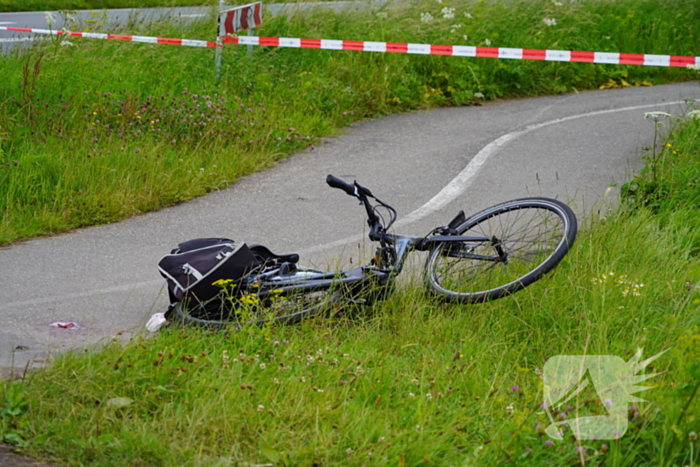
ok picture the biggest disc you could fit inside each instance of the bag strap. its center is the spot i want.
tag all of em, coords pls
(200, 243)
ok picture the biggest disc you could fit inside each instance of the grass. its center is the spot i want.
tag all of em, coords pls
(406, 382)
(89, 133)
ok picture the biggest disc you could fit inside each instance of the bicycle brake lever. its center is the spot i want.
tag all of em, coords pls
(362, 190)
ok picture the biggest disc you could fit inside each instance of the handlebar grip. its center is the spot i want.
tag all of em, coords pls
(335, 182)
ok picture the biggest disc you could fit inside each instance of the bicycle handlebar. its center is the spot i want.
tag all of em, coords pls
(348, 188)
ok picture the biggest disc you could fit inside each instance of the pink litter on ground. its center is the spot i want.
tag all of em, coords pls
(69, 325)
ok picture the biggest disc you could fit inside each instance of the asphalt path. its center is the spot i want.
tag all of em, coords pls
(427, 164)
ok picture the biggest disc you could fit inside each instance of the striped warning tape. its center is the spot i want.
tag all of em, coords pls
(610, 58)
(119, 37)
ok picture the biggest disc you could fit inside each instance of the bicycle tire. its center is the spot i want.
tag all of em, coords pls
(291, 311)
(534, 233)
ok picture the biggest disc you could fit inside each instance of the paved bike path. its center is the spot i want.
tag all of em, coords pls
(427, 164)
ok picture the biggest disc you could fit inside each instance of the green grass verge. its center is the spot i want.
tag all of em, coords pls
(95, 131)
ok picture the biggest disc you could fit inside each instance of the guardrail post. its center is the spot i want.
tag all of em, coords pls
(219, 42)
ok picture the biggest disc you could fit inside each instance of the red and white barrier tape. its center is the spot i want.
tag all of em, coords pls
(119, 37)
(610, 58)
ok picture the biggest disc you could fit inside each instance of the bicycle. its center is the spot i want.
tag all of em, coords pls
(487, 256)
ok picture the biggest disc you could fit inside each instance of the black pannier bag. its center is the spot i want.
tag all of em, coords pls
(191, 270)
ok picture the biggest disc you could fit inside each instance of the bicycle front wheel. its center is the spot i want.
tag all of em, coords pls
(527, 238)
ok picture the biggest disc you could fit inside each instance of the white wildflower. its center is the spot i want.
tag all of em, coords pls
(557, 3)
(426, 17)
(656, 115)
(468, 16)
(510, 408)
(478, 95)
(487, 42)
(550, 22)
(693, 67)
(448, 13)
(382, 14)
(466, 38)
(694, 114)
(65, 43)
(50, 18)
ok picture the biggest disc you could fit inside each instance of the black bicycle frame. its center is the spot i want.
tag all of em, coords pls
(401, 245)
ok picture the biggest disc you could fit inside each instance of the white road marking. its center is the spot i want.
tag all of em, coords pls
(79, 295)
(464, 179)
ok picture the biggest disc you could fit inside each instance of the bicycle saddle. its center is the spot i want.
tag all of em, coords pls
(267, 256)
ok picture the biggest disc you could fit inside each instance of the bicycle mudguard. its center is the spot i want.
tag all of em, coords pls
(457, 221)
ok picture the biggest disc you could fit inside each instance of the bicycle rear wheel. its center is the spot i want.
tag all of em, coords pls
(528, 238)
(283, 310)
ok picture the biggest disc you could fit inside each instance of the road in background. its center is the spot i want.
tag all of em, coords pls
(427, 164)
(114, 18)
(111, 18)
